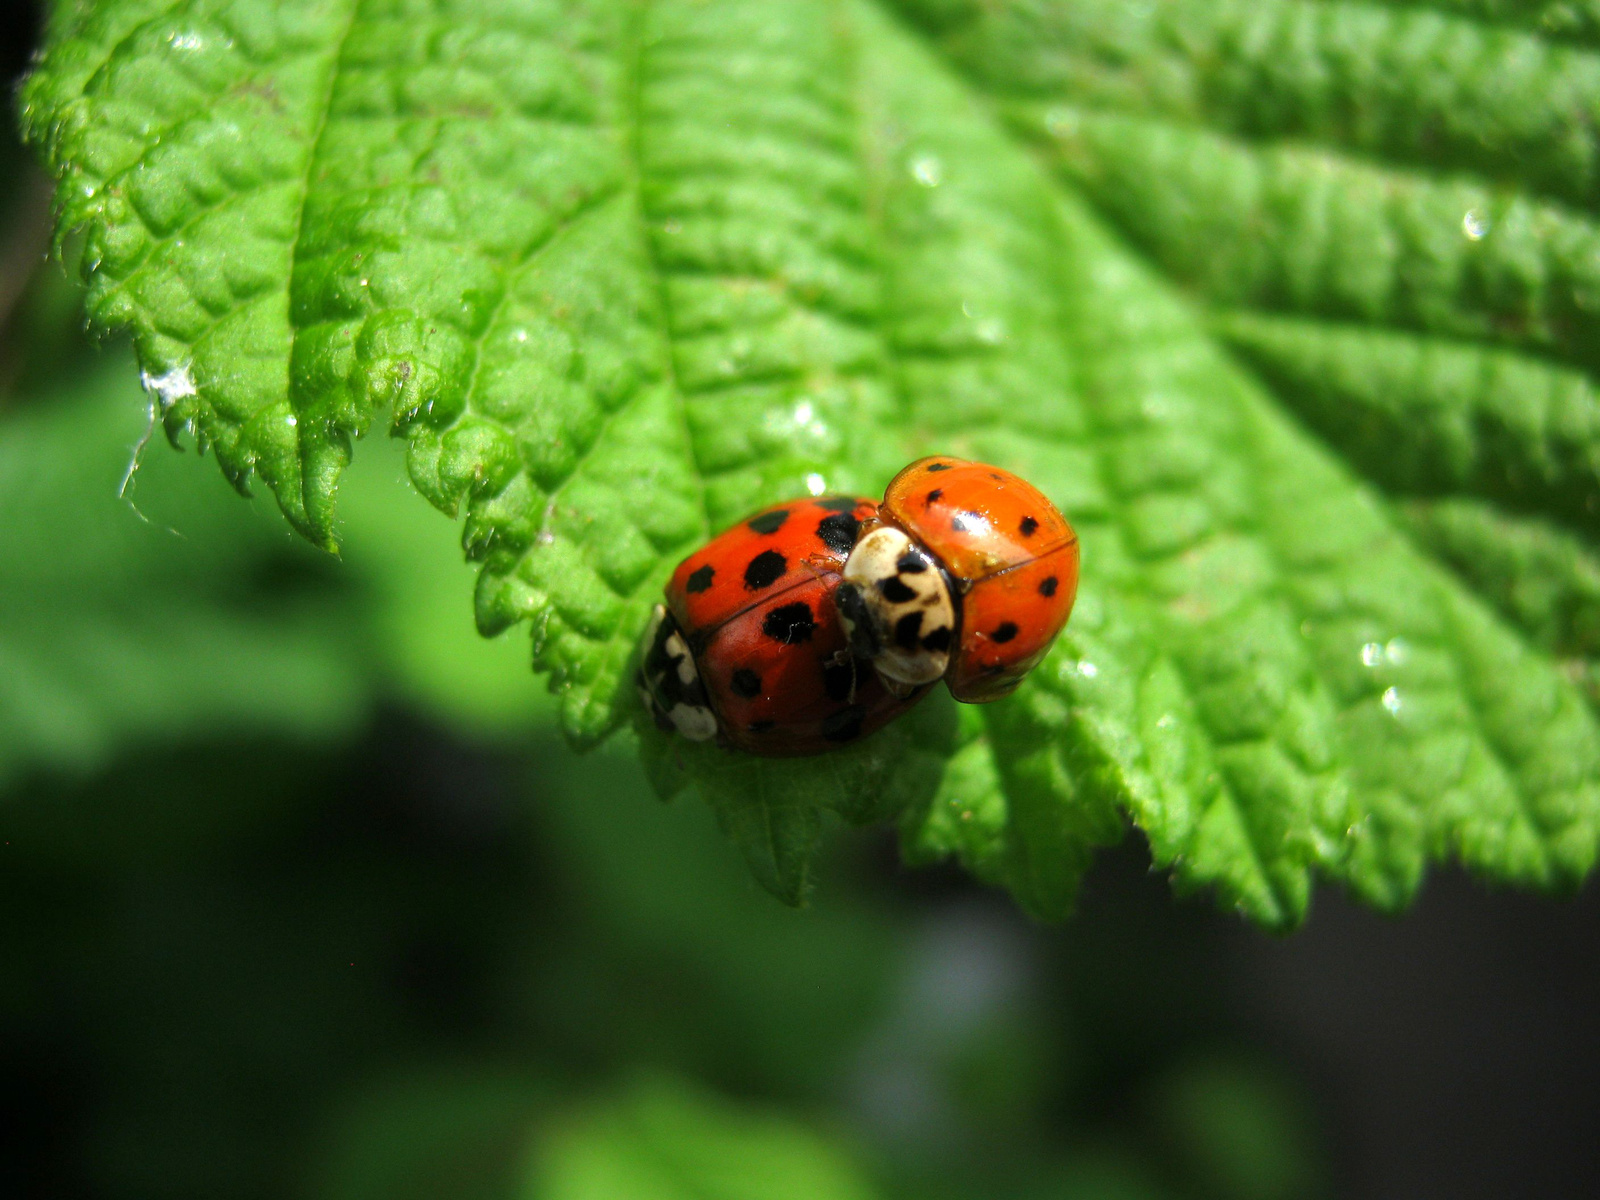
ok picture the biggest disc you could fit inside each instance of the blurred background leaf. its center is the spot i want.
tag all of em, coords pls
(661, 1141)
(175, 608)
(118, 629)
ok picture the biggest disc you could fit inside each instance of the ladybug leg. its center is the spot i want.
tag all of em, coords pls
(843, 667)
(648, 699)
(899, 690)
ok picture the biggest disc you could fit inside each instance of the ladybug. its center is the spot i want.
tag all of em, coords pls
(966, 573)
(749, 650)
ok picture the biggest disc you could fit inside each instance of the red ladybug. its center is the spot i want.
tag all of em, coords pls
(749, 649)
(967, 573)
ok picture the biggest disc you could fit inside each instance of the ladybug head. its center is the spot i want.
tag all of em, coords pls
(897, 607)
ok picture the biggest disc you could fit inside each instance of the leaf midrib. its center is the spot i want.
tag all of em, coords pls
(633, 141)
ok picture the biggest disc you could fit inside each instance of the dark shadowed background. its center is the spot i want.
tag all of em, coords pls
(300, 896)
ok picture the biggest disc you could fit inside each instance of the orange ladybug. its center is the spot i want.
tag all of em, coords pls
(966, 573)
(749, 649)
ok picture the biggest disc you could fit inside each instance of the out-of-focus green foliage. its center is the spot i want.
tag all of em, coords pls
(660, 1141)
(463, 1131)
(149, 606)
(264, 972)
(117, 630)
(1238, 1130)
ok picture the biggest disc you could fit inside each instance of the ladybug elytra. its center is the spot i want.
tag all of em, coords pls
(966, 573)
(749, 649)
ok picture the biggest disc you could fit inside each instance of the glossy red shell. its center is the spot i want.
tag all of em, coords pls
(756, 606)
(1011, 555)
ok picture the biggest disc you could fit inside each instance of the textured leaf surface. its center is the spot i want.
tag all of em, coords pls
(1285, 303)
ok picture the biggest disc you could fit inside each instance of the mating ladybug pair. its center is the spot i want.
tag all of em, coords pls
(812, 623)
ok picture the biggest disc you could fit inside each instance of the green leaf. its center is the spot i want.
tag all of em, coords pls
(1240, 1127)
(1542, 578)
(426, 648)
(662, 1140)
(774, 814)
(458, 1130)
(1239, 284)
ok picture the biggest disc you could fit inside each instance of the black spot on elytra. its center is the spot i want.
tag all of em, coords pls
(906, 630)
(839, 680)
(894, 591)
(770, 522)
(997, 477)
(1006, 631)
(840, 504)
(845, 724)
(938, 641)
(765, 569)
(838, 532)
(790, 623)
(1028, 526)
(746, 683)
(700, 580)
(933, 497)
(760, 726)
(940, 466)
(1047, 585)
(911, 563)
